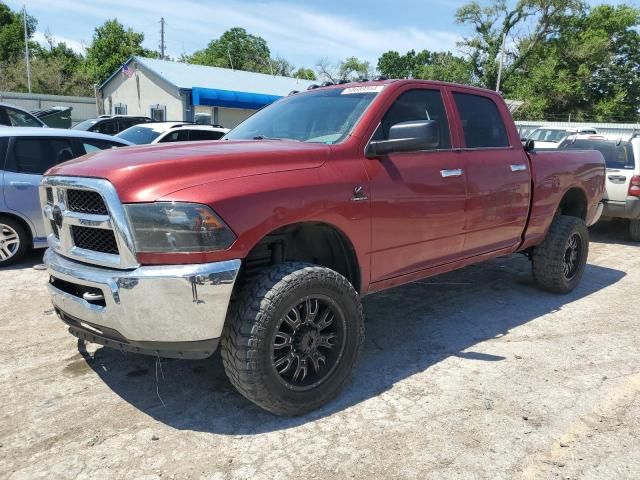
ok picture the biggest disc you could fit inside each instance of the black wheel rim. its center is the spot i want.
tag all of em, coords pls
(308, 342)
(572, 256)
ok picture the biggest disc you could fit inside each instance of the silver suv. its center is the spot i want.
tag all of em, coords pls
(25, 154)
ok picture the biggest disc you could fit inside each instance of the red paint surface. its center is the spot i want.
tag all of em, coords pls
(415, 223)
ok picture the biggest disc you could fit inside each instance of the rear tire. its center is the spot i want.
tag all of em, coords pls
(559, 261)
(634, 230)
(14, 241)
(292, 338)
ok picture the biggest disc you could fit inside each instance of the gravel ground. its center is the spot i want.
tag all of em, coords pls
(473, 374)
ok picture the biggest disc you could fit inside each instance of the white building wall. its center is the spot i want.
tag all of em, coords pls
(139, 92)
(232, 117)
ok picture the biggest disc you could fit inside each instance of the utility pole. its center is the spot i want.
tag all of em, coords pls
(26, 46)
(162, 44)
(501, 62)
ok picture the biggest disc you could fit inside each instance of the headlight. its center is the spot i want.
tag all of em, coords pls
(177, 227)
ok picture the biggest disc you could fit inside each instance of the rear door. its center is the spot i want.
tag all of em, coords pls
(621, 165)
(498, 177)
(28, 158)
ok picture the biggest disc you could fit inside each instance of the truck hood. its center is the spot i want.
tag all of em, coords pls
(147, 173)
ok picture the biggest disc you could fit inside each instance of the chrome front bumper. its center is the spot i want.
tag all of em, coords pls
(159, 310)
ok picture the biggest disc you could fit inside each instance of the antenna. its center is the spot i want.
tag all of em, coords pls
(162, 42)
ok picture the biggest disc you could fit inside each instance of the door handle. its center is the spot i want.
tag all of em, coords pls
(617, 178)
(21, 184)
(519, 168)
(456, 172)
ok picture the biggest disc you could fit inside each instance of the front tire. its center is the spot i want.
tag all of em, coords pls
(293, 337)
(634, 230)
(14, 241)
(559, 261)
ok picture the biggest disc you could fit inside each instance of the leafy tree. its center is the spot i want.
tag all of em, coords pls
(12, 33)
(304, 74)
(410, 65)
(447, 67)
(350, 69)
(235, 49)
(112, 45)
(525, 26)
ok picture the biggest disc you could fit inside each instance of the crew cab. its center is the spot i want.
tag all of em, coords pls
(265, 242)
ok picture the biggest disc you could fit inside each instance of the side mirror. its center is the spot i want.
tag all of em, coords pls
(529, 145)
(407, 137)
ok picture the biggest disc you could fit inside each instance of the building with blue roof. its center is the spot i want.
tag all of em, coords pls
(166, 90)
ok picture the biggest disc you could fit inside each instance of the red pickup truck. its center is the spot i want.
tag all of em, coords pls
(266, 241)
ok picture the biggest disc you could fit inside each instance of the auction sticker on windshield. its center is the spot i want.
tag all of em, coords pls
(364, 89)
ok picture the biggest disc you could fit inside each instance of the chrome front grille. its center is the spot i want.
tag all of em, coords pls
(86, 201)
(85, 221)
(94, 239)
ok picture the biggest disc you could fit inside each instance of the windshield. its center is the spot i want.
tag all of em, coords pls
(616, 155)
(548, 135)
(139, 135)
(86, 125)
(323, 116)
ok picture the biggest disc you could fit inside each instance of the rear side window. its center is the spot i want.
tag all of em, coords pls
(177, 136)
(417, 105)
(22, 119)
(481, 122)
(107, 127)
(37, 155)
(616, 155)
(205, 135)
(97, 145)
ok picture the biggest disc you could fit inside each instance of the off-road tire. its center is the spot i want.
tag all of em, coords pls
(634, 230)
(549, 257)
(23, 238)
(255, 312)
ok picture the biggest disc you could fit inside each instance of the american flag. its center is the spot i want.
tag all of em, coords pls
(126, 71)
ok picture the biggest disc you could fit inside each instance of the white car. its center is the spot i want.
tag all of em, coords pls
(162, 132)
(551, 137)
(622, 158)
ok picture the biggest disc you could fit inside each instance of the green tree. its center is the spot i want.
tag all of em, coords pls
(524, 27)
(235, 49)
(12, 33)
(410, 65)
(447, 67)
(112, 45)
(304, 74)
(350, 69)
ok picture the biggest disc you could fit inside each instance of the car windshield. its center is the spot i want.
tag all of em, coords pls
(548, 135)
(322, 116)
(86, 125)
(139, 135)
(616, 154)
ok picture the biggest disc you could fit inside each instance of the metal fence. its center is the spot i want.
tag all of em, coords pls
(525, 127)
(82, 107)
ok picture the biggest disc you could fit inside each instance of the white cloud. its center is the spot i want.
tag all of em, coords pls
(299, 33)
(72, 44)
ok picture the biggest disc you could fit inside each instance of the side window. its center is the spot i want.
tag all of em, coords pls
(417, 105)
(4, 118)
(3, 151)
(481, 122)
(22, 119)
(107, 127)
(177, 136)
(91, 146)
(37, 155)
(205, 135)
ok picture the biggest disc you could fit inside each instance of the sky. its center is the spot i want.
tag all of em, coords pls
(301, 32)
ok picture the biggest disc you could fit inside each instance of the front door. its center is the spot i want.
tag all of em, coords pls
(498, 177)
(417, 198)
(27, 160)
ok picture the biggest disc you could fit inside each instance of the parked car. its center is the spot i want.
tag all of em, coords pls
(110, 124)
(622, 157)
(163, 132)
(25, 154)
(552, 137)
(265, 241)
(11, 116)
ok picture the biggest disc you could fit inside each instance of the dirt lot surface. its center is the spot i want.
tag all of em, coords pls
(474, 374)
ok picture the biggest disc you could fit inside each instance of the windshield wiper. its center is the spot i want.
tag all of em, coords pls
(262, 137)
